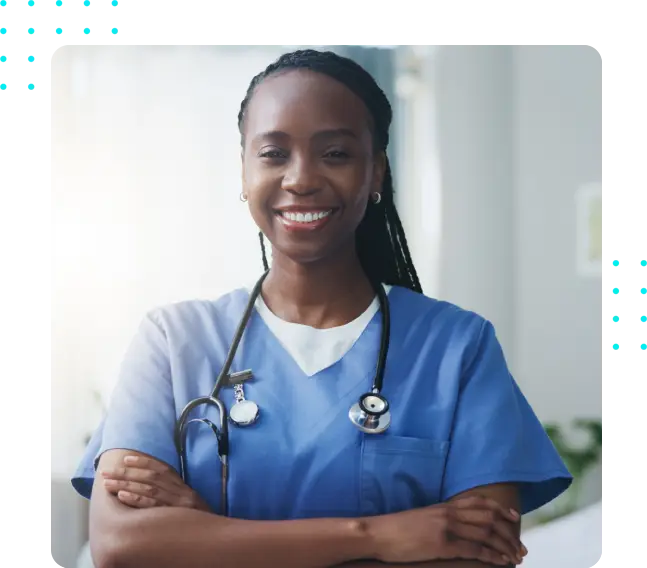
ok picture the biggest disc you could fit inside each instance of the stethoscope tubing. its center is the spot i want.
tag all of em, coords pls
(222, 430)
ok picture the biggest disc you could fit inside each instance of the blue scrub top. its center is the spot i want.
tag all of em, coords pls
(459, 420)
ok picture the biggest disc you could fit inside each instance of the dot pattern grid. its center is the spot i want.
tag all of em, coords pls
(617, 319)
(111, 32)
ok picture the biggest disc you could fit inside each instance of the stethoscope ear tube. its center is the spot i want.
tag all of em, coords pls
(224, 373)
(222, 430)
(384, 339)
(371, 412)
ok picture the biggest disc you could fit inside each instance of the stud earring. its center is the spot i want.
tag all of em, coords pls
(377, 197)
(243, 197)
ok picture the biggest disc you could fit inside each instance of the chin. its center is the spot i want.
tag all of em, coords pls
(305, 253)
(304, 257)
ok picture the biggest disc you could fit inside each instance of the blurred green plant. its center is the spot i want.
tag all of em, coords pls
(578, 459)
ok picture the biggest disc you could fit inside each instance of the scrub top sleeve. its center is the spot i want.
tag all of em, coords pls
(141, 415)
(496, 437)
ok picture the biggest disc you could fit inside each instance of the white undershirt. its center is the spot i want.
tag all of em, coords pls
(316, 349)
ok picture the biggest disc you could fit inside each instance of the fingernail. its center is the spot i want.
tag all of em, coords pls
(514, 513)
(110, 482)
(131, 459)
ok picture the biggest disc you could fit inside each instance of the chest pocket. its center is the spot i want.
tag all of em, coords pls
(399, 473)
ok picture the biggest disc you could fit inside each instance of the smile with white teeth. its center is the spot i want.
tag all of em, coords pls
(308, 217)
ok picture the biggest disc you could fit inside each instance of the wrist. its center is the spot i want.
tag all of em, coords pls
(374, 541)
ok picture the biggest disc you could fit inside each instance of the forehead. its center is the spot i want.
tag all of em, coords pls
(301, 102)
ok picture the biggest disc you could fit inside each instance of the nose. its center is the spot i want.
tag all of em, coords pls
(301, 177)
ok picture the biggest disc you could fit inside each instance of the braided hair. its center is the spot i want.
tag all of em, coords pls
(380, 240)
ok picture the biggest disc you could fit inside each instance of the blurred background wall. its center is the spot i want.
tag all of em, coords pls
(491, 147)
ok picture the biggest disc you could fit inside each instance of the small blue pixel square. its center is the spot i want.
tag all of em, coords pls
(616, 287)
(110, 31)
(88, 31)
(616, 319)
(32, 32)
(32, 55)
(616, 263)
(32, 88)
(55, 31)
(616, 344)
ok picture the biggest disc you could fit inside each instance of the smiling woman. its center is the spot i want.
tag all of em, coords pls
(441, 483)
(342, 144)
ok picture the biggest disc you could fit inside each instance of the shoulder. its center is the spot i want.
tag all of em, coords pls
(440, 332)
(444, 318)
(197, 313)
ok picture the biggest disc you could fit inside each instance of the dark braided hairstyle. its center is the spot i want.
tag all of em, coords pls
(380, 240)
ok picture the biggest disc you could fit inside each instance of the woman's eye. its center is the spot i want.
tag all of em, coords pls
(337, 154)
(272, 154)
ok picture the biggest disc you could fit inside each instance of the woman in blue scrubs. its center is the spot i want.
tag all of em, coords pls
(464, 456)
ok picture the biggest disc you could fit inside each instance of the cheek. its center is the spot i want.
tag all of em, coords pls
(359, 187)
(256, 183)
(259, 189)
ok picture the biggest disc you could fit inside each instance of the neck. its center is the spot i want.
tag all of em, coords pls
(321, 294)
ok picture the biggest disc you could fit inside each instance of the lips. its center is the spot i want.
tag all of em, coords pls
(302, 219)
(305, 216)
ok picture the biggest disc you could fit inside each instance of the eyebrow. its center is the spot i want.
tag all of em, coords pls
(321, 134)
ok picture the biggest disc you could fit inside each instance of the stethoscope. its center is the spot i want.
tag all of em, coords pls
(370, 413)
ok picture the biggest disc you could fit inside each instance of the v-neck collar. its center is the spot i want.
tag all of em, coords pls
(314, 350)
(283, 382)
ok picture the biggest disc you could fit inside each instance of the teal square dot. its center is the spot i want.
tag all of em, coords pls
(30, 58)
(114, 30)
(114, 2)
(616, 346)
(59, 3)
(31, 30)
(615, 290)
(615, 263)
(3, 30)
(643, 319)
(3, 59)
(643, 290)
(643, 263)
(31, 87)
(86, 31)
(86, 3)
(643, 346)
(3, 86)
(3, 3)
(615, 318)
(59, 31)
(31, 2)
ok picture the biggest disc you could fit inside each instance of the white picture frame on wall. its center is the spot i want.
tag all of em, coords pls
(588, 209)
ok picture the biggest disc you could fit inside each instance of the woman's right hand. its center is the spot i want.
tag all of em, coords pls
(471, 528)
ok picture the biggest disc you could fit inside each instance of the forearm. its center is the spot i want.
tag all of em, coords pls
(430, 564)
(168, 537)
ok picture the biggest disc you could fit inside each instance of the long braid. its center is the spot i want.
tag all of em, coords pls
(266, 265)
(380, 239)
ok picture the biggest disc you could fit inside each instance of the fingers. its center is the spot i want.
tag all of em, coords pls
(137, 501)
(470, 550)
(145, 482)
(477, 502)
(494, 526)
(163, 470)
(148, 476)
(161, 497)
(486, 536)
(147, 463)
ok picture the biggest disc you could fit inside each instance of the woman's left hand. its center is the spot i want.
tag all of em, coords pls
(143, 482)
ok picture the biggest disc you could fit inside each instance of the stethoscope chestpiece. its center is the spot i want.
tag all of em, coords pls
(371, 413)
